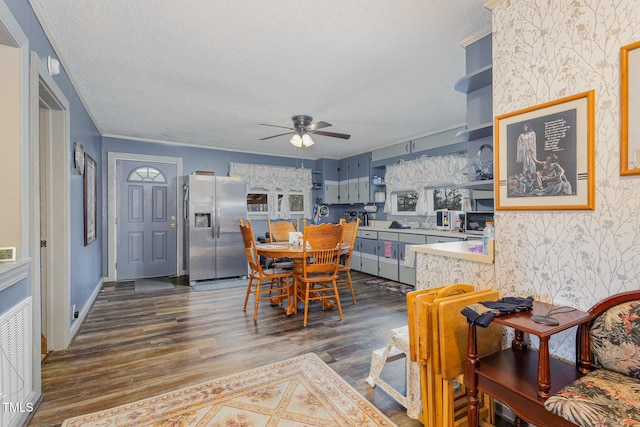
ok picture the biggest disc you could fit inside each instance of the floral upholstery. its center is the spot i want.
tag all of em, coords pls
(615, 339)
(608, 396)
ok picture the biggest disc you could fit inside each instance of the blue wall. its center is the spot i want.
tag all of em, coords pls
(86, 270)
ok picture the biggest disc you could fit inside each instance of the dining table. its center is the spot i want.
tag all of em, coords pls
(294, 252)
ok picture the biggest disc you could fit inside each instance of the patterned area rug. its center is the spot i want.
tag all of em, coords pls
(388, 285)
(302, 391)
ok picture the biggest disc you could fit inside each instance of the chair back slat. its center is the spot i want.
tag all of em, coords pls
(250, 246)
(322, 247)
(279, 231)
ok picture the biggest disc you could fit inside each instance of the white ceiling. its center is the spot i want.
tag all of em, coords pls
(208, 72)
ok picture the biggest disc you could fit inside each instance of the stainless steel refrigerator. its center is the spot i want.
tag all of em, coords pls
(215, 205)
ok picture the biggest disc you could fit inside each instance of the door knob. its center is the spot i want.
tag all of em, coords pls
(173, 225)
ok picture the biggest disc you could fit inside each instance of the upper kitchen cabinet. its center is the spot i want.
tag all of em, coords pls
(331, 181)
(433, 144)
(346, 181)
(478, 135)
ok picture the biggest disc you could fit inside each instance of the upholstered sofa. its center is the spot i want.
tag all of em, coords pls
(608, 352)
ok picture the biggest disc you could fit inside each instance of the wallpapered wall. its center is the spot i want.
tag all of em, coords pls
(543, 51)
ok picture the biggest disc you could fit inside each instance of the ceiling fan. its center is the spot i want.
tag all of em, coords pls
(302, 127)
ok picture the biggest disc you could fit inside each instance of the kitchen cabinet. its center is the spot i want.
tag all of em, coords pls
(443, 239)
(407, 273)
(368, 251)
(397, 150)
(435, 141)
(331, 181)
(388, 255)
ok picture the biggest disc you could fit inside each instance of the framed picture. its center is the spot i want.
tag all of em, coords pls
(630, 109)
(545, 156)
(90, 200)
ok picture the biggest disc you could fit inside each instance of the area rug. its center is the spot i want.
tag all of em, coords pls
(388, 285)
(153, 284)
(302, 391)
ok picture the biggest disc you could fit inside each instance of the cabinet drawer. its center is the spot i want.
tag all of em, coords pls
(414, 239)
(441, 239)
(385, 235)
(368, 234)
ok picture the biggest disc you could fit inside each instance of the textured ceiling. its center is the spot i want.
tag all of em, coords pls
(208, 72)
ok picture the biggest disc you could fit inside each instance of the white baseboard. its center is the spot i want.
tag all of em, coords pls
(82, 314)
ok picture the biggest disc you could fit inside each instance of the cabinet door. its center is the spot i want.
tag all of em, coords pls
(356, 257)
(442, 239)
(332, 192)
(388, 258)
(369, 256)
(363, 189)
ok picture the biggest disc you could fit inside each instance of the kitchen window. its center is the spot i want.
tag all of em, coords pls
(404, 202)
(296, 203)
(257, 202)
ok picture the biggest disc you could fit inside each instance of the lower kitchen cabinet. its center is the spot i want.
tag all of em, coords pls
(383, 253)
(368, 250)
(407, 273)
(388, 255)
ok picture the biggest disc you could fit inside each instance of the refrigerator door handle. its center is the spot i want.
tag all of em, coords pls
(217, 205)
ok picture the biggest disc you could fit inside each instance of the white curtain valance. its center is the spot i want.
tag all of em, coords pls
(416, 175)
(276, 180)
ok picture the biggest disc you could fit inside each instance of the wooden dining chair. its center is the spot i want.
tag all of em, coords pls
(349, 231)
(317, 281)
(279, 230)
(265, 284)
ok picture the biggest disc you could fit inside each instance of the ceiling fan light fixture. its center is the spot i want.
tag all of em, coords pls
(296, 140)
(306, 140)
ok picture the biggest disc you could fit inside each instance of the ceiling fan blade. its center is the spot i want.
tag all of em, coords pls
(332, 134)
(274, 136)
(317, 125)
(277, 126)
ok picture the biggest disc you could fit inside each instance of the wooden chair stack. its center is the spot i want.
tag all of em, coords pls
(264, 284)
(321, 256)
(349, 231)
(438, 343)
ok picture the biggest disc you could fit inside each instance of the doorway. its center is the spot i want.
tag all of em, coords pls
(50, 198)
(123, 244)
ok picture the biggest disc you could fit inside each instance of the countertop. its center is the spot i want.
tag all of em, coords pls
(425, 231)
(458, 250)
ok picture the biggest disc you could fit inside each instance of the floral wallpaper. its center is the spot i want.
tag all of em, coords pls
(276, 180)
(424, 172)
(543, 51)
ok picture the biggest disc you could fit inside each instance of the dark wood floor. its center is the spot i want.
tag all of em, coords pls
(135, 345)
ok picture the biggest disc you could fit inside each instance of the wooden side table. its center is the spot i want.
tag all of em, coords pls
(519, 377)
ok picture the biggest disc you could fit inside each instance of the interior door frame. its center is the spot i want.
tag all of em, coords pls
(57, 155)
(111, 191)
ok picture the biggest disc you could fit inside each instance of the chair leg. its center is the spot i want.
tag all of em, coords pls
(353, 295)
(335, 291)
(246, 298)
(257, 294)
(306, 302)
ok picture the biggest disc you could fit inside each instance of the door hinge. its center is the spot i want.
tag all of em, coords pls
(43, 243)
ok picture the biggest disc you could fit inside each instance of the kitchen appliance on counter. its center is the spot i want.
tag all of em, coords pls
(214, 242)
(351, 216)
(447, 220)
(475, 221)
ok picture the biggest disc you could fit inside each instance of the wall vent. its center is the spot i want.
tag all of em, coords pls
(15, 363)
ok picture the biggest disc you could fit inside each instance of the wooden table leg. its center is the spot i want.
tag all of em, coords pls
(544, 369)
(470, 379)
